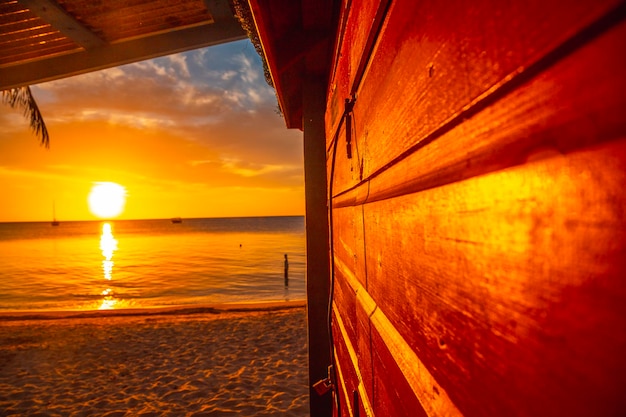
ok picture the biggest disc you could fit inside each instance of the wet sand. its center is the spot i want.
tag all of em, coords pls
(246, 360)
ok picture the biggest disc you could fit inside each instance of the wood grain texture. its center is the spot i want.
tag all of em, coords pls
(65, 64)
(353, 327)
(431, 62)
(348, 242)
(480, 216)
(361, 20)
(277, 23)
(364, 350)
(345, 298)
(577, 102)
(345, 408)
(345, 359)
(417, 386)
(509, 287)
(414, 385)
(356, 399)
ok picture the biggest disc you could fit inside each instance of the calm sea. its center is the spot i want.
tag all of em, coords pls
(150, 263)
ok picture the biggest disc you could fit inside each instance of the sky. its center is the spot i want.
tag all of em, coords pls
(195, 134)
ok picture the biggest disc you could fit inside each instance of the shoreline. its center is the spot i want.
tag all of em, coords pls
(177, 310)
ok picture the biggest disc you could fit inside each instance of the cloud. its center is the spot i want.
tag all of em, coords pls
(228, 75)
(180, 61)
(204, 119)
(182, 87)
(216, 96)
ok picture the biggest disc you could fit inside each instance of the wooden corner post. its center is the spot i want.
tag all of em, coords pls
(317, 241)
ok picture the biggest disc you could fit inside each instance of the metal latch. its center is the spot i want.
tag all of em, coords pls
(324, 385)
(348, 106)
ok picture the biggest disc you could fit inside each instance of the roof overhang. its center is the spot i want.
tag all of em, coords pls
(297, 37)
(43, 40)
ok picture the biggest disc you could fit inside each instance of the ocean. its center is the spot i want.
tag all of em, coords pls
(95, 265)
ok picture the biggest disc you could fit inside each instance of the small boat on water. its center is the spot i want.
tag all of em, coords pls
(177, 220)
(54, 221)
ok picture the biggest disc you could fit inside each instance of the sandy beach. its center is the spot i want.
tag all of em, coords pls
(236, 361)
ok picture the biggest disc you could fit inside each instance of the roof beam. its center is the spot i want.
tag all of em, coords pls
(120, 53)
(50, 12)
(219, 9)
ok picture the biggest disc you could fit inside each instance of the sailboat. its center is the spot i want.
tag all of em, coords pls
(54, 221)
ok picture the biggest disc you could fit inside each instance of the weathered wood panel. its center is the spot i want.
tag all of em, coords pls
(347, 366)
(353, 335)
(425, 65)
(348, 242)
(345, 299)
(355, 395)
(398, 378)
(393, 393)
(347, 170)
(479, 217)
(360, 21)
(509, 287)
(577, 102)
(364, 356)
(279, 24)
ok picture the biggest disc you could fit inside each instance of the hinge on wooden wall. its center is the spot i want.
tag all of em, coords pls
(347, 113)
(323, 386)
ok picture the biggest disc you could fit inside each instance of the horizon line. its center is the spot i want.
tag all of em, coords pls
(153, 218)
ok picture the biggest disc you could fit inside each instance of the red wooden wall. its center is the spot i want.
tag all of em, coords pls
(479, 218)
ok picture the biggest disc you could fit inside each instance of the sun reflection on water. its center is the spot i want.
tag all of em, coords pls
(108, 245)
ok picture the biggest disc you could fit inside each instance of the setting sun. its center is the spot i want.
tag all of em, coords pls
(107, 199)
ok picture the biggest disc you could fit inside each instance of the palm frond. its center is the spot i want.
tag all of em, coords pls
(22, 98)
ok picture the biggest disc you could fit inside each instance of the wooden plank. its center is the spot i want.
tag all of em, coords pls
(347, 359)
(345, 298)
(407, 369)
(361, 33)
(509, 286)
(549, 115)
(354, 318)
(393, 394)
(355, 332)
(349, 159)
(351, 376)
(296, 39)
(422, 73)
(52, 45)
(37, 38)
(345, 406)
(361, 21)
(348, 241)
(118, 54)
(50, 12)
(365, 307)
(346, 170)
(20, 32)
(218, 10)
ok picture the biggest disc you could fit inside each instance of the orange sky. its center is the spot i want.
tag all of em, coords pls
(195, 134)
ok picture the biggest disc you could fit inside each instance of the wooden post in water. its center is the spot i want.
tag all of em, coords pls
(286, 271)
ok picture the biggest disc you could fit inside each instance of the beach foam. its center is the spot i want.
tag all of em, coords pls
(244, 360)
